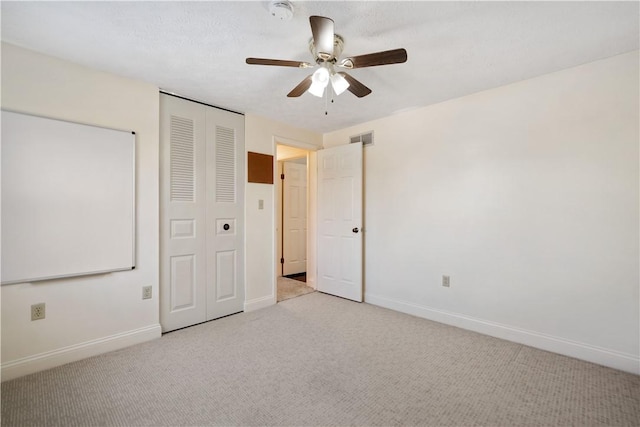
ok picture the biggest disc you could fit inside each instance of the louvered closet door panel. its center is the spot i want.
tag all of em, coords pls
(183, 252)
(225, 213)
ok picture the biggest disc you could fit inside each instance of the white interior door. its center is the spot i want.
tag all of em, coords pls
(294, 218)
(183, 268)
(340, 221)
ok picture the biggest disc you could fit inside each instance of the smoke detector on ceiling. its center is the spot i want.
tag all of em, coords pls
(281, 9)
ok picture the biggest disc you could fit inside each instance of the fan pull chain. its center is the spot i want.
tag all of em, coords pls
(326, 102)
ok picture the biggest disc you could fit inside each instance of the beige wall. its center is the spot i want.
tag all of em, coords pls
(527, 196)
(91, 314)
(261, 136)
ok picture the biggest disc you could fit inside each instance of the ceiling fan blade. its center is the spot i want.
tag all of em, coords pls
(278, 62)
(323, 35)
(395, 56)
(355, 87)
(301, 88)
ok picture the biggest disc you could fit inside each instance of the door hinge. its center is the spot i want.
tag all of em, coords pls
(281, 260)
(281, 176)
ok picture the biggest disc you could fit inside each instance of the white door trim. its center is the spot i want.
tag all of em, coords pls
(293, 143)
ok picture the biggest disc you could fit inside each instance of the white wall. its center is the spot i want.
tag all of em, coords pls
(261, 135)
(92, 314)
(527, 196)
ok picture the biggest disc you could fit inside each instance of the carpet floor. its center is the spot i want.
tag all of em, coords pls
(322, 360)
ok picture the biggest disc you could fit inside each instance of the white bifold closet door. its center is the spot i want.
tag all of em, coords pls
(201, 213)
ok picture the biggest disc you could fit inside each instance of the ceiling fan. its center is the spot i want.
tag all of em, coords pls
(326, 47)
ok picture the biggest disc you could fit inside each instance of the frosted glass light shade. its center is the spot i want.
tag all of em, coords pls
(319, 80)
(339, 83)
(316, 89)
(321, 76)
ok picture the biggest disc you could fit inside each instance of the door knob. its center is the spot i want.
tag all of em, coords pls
(226, 227)
(355, 230)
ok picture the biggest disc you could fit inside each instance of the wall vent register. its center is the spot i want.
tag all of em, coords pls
(366, 139)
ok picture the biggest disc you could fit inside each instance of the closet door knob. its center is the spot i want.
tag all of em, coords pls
(226, 227)
(355, 230)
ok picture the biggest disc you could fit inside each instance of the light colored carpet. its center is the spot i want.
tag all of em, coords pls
(291, 288)
(322, 360)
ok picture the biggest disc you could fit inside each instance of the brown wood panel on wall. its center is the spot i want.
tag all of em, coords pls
(260, 168)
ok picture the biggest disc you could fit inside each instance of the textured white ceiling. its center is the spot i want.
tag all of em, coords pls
(197, 49)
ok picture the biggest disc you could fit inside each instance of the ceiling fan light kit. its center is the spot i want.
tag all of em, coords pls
(326, 47)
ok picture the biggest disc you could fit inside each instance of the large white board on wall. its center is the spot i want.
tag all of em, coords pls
(68, 199)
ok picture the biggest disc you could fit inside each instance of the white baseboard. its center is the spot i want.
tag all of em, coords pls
(602, 356)
(51, 359)
(258, 303)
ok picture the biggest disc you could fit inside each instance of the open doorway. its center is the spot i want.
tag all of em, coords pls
(292, 201)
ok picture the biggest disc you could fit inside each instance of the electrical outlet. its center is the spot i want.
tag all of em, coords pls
(37, 311)
(146, 292)
(446, 281)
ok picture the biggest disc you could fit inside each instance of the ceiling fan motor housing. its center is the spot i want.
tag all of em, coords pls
(338, 45)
